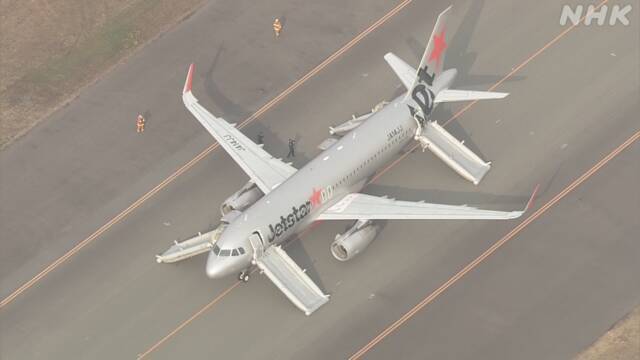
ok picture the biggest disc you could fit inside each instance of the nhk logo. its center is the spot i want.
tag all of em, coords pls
(616, 13)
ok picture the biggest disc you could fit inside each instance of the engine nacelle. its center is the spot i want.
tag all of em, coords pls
(354, 240)
(242, 198)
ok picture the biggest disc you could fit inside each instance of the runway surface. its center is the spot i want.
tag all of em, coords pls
(548, 293)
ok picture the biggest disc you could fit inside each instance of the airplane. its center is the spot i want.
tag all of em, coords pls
(280, 201)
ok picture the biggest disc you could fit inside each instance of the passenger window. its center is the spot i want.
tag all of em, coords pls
(225, 252)
(234, 252)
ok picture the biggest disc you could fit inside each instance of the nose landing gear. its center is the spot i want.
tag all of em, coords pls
(246, 273)
(243, 276)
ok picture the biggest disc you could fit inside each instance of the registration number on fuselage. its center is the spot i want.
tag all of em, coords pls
(394, 133)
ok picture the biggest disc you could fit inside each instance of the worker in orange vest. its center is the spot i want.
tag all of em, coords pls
(277, 27)
(140, 124)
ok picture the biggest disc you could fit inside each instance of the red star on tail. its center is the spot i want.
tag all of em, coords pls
(439, 45)
(315, 197)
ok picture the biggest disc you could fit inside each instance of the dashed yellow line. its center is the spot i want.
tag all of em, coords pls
(472, 265)
(199, 157)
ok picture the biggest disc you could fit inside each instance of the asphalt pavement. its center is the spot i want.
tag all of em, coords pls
(548, 293)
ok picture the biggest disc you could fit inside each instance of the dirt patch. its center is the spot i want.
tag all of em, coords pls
(49, 49)
(622, 342)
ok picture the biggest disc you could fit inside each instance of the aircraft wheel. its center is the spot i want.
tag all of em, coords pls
(244, 276)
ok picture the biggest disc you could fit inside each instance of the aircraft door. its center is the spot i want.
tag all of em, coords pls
(257, 243)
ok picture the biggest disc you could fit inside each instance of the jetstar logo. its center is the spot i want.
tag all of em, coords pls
(439, 46)
(316, 198)
(423, 96)
(297, 213)
(421, 92)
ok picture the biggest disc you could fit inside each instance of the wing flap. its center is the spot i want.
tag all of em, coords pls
(369, 207)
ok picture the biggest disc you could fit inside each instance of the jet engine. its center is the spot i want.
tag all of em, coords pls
(354, 240)
(242, 198)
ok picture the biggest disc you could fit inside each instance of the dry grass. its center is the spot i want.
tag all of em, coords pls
(49, 49)
(622, 342)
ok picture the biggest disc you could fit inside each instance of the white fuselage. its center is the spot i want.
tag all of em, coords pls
(346, 167)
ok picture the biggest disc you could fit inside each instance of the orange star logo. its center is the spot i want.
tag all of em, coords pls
(316, 197)
(439, 45)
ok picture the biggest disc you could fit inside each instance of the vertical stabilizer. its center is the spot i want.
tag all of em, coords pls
(433, 57)
(420, 95)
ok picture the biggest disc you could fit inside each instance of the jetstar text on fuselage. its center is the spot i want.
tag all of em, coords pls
(288, 221)
(297, 213)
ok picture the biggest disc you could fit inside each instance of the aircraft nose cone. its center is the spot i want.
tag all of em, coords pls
(221, 266)
(215, 268)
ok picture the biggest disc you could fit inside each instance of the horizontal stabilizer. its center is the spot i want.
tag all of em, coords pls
(404, 71)
(449, 95)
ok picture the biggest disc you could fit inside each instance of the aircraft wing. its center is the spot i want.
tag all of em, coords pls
(264, 170)
(368, 207)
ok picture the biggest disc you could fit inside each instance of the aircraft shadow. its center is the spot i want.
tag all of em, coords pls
(295, 248)
(230, 110)
(471, 198)
(443, 114)
(235, 113)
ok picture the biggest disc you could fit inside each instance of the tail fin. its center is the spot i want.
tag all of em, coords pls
(429, 85)
(433, 57)
(420, 97)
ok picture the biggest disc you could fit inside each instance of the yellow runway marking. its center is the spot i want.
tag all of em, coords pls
(492, 88)
(472, 265)
(209, 305)
(517, 68)
(186, 322)
(199, 157)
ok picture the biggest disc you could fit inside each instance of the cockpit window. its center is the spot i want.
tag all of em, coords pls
(227, 252)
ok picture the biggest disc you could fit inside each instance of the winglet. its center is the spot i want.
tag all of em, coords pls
(188, 82)
(533, 196)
